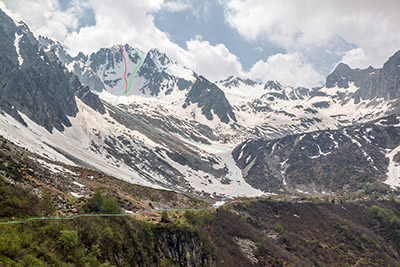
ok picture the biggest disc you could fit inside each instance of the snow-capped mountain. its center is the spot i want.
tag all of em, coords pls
(47, 107)
(247, 109)
(85, 74)
(157, 75)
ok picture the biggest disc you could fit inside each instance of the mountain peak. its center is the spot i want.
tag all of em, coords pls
(234, 81)
(339, 77)
(45, 91)
(211, 99)
(342, 68)
(393, 62)
(273, 85)
(158, 57)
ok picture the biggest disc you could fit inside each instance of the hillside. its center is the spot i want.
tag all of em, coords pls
(280, 231)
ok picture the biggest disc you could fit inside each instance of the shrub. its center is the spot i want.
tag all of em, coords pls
(46, 205)
(96, 201)
(100, 203)
(190, 217)
(110, 205)
(164, 216)
(68, 240)
(147, 228)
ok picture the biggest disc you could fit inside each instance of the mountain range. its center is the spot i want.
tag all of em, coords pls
(339, 137)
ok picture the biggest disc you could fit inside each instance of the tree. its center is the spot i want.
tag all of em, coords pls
(46, 205)
(68, 240)
(392, 197)
(110, 205)
(96, 202)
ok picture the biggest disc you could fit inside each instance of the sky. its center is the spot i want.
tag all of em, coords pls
(296, 42)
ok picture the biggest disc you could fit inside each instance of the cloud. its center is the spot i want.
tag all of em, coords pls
(132, 22)
(371, 25)
(355, 58)
(45, 16)
(287, 68)
(128, 22)
(176, 6)
(214, 62)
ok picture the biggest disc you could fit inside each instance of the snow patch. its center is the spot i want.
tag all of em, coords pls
(16, 44)
(78, 184)
(393, 172)
(218, 204)
(76, 194)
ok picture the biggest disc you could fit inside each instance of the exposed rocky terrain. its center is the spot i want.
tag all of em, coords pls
(326, 161)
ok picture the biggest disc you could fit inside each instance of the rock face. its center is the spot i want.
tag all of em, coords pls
(185, 248)
(104, 69)
(157, 78)
(74, 64)
(276, 90)
(233, 81)
(34, 82)
(373, 83)
(210, 99)
(329, 160)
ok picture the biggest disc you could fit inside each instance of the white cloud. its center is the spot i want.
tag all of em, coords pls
(286, 68)
(176, 6)
(132, 22)
(214, 62)
(128, 22)
(371, 25)
(125, 22)
(45, 16)
(355, 58)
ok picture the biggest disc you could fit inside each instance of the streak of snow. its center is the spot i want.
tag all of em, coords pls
(76, 194)
(78, 184)
(368, 157)
(16, 44)
(248, 158)
(218, 204)
(53, 167)
(393, 172)
(320, 153)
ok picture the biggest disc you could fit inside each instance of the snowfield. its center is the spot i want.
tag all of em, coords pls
(90, 127)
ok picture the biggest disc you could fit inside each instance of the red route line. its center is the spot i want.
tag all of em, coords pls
(126, 81)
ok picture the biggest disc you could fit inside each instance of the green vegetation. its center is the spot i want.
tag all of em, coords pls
(46, 205)
(388, 222)
(197, 218)
(312, 232)
(101, 204)
(16, 201)
(91, 241)
(164, 216)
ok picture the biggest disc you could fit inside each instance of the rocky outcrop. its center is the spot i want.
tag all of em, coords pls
(185, 248)
(210, 99)
(323, 161)
(157, 79)
(34, 82)
(372, 83)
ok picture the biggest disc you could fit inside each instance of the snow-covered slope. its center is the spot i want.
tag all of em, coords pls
(116, 145)
(267, 110)
(171, 98)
